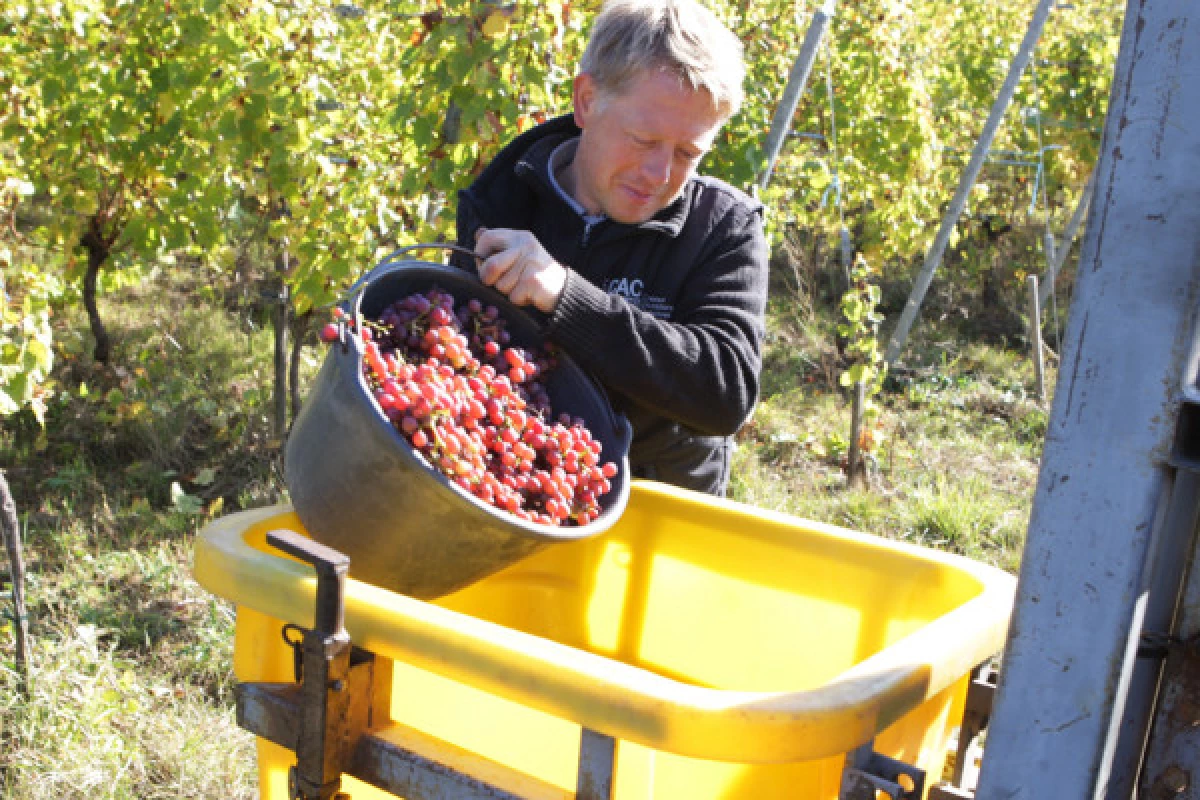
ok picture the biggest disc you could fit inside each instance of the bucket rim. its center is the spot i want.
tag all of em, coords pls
(352, 349)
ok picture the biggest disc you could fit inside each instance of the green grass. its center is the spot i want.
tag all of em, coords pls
(953, 453)
(131, 690)
(131, 684)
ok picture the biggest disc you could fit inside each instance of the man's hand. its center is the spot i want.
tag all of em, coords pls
(518, 266)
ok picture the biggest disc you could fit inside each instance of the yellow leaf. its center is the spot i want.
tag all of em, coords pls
(496, 24)
(86, 202)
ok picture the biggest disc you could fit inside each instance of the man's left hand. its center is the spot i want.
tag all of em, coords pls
(516, 264)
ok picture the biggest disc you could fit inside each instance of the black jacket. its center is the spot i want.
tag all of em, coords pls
(666, 314)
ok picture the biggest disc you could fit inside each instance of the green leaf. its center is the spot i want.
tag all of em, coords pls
(260, 76)
(42, 355)
(160, 78)
(422, 133)
(183, 502)
(52, 89)
(8, 405)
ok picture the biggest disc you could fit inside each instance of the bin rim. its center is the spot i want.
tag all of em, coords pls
(619, 699)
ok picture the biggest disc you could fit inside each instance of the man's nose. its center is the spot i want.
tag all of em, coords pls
(656, 166)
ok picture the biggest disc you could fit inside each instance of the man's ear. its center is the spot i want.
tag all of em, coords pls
(583, 93)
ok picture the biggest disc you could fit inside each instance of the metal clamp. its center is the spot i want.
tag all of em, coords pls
(868, 773)
(332, 691)
(297, 645)
(1156, 645)
(981, 693)
(333, 716)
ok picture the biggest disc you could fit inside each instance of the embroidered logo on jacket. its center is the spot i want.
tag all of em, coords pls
(633, 290)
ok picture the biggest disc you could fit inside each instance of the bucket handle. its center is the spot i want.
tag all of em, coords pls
(355, 289)
(388, 259)
(351, 296)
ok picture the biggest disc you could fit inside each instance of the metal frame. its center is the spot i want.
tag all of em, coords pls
(868, 773)
(1110, 527)
(981, 694)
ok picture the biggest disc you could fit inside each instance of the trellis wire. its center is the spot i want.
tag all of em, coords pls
(1042, 181)
(843, 232)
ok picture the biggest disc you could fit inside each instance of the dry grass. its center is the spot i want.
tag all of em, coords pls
(130, 691)
(131, 684)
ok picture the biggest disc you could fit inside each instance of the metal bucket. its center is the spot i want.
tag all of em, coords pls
(359, 487)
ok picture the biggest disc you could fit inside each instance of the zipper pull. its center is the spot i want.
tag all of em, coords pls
(587, 232)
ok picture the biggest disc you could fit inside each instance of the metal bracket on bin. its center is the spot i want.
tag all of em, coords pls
(326, 711)
(335, 717)
(981, 692)
(597, 754)
(868, 773)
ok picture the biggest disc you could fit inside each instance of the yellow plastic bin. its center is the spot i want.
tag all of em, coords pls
(732, 652)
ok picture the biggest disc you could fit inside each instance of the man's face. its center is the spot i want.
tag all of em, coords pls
(639, 147)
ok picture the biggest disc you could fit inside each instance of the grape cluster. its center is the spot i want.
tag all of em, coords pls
(475, 406)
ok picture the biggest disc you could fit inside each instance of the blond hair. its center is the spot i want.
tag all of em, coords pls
(631, 37)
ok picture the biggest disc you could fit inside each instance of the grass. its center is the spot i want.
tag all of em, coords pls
(953, 448)
(131, 689)
(131, 693)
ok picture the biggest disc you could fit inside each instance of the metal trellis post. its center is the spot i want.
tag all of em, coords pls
(934, 257)
(782, 121)
(1062, 248)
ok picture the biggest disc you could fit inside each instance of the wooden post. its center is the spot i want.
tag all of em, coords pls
(299, 327)
(1035, 337)
(281, 360)
(282, 320)
(856, 472)
(10, 528)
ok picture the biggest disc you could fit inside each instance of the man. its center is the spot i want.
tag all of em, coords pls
(650, 276)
